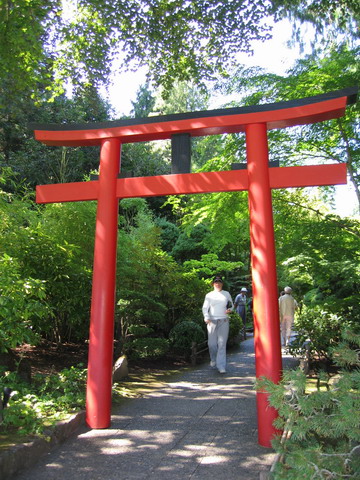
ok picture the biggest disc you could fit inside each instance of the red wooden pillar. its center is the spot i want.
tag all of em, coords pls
(99, 383)
(263, 263)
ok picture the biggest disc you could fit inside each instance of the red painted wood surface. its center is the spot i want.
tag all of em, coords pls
(264, 280)
(99, 381)
(277, 118)
(188, 183)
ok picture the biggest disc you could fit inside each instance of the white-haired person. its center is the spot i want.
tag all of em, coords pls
(240, 307)
(287, 307)
(216, 307)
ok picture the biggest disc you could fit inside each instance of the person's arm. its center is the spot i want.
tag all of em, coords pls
(205, 309)
(280, 307)
(229, 310)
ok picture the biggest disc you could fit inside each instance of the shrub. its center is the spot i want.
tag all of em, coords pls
(22, 305)
(322, 425)
(183, 334)
(235, 326)
(139, 330)
(146, 348)
(46, 400)
(321, 327)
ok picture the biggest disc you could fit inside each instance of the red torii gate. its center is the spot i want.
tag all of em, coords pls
(258, 179)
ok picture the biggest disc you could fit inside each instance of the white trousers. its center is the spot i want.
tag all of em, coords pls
(286, 324)
(218, 333)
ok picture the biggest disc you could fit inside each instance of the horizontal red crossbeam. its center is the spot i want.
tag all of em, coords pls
(228, 120)
(191, 183)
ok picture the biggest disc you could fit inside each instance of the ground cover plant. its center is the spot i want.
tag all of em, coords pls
(49, 398)
(34, 408)
(321, 421)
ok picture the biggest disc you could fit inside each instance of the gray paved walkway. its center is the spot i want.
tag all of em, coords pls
(200, 425)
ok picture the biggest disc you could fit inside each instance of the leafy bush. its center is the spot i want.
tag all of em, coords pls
(138, 310)
(323, 425)
(140, 330)
(183, 334)
(22, 305)
(235, 326)
(321, 327)
(146, 348)
(44, 244)
(68, 387)
(45, 401)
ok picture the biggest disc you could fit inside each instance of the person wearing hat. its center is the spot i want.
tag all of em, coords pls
(216, 307)
(287, 307)
(240, 306)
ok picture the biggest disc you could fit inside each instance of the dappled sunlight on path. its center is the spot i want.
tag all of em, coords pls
(197, 425)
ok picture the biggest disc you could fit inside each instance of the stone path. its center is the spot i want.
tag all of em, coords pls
(200, 425)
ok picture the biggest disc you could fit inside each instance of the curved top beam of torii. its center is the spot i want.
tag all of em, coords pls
(210, 122)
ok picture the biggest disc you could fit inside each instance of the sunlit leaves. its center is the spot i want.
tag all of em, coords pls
(336, 16)
(45, 44)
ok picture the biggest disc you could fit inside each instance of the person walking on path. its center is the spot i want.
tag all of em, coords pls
(240, 307)
(287, 307)
(216, 306)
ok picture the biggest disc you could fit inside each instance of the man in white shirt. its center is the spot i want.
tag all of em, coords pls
(217, 305)
(287, 307)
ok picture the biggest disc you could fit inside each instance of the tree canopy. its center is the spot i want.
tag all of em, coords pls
(341, 16)
(48, 44)
(77, 41)
(323, 70)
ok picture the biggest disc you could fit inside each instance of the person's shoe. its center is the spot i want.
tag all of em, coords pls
(212, 364)
(222, 370)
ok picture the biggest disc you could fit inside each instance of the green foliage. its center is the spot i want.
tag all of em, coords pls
(24, 63)
(210, 265)
(321, 327)
(324, 70)
(343, 356)
(183, 97)
(188, 246)
(184, 334)
(22, 305)
(168, 235)
(138, 311)
(139, 330)
(225, 216)
(153, 289)
(235, 326)
(149, 347)
(174, 39)
(322, 426)
(51, 254)
(34, 163)
(46, 400)
(144, 159)
(68, 281)
(144, 103)
(334, 15)
(77, 41)
(66, 391)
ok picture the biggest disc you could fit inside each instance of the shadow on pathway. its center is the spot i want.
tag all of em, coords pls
(199, 425)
